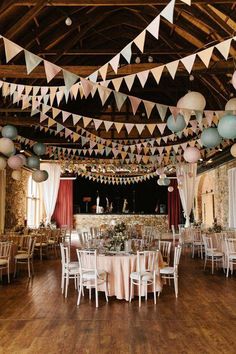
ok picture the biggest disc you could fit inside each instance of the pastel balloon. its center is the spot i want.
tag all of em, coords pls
(233, 150)
(15, 162)
(23, 158)
(193, 100)
(160, 181)
(6, 146)
(234, 80)
(33, 162)
(40, 176)
(191, 154)
(170, 189)
(231, 104)
(16, 175)
(227, 126)
(166, 181)
(9, 131)
(210, 137)
(3, 163)
(39, 149)
(176, 124)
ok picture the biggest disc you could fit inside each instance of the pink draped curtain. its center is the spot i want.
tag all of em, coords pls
(63, 213)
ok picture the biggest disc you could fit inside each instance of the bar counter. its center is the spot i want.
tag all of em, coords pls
(83, 221)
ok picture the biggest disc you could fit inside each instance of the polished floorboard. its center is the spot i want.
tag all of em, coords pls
(35, 317)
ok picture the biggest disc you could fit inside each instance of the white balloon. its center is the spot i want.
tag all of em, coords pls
(192, 154)
(170, 189)
(3, 163)
(193, 100)
(6, 146)
(234, 80)
(180, 102)
(231, 104)
(16, 175)
(233, 150)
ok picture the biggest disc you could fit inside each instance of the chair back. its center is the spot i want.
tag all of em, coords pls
(177, 255)
(5, 249)
(65, 255)
(164, 248)
(31, 246)
(147, 261)
(208, 244)
(197, 235)
(230, 246)
(87, 260)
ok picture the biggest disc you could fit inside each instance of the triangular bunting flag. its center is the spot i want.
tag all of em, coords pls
(129, 80)
(11, 49)
(153, 27)
(127, 52)
(168, 11)
(103, 71)
(107, 124)
(135, 101)
(129, 127)
(118, 126)
(31, 61)
(140, 40)
(120, 99)
(151, 127)
(205, 55)
(157, 72)
(97, 123)
(224, 48)
(148, 107)
(188, 62)
(143, 76)
(51, 70)
(114, 62)
(172, 68)
(69, 79)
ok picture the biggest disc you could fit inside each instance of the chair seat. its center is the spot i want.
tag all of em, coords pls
(3, 262)
(89, 275)
(22, 256)
(198, 243)
(43, 244)
(232, 257)
(145, 276)
(167, 270)
(52, 242)
(215, 254)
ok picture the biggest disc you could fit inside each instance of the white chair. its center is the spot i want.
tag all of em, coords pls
(172, 272)
(90, 275)
(26, 257)
(197, 242)
(175, 235)
(165, 248)
(230, 254)
(69, 270)
(212, 254)
(147, 272)
(5, 255)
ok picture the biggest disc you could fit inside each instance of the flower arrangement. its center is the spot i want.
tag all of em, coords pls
(118, 236)
(216, 228)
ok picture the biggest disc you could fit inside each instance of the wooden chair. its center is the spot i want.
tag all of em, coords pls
(70, 270)
(41, 244)
(212, 254)
(172, 272)
(90, 275)
(147, 271)
(165, 248)
(5, 255)
(27, 257)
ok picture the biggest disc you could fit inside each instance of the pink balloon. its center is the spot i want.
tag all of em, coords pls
(234, 80)
(191, 154)
(15, 162)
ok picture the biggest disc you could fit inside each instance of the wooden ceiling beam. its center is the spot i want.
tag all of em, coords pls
(19, 71)
(111, 2)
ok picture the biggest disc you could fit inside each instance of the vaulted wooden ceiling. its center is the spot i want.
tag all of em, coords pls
(99, 30)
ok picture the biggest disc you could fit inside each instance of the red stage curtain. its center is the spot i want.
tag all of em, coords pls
(63, 213)
(174, 207)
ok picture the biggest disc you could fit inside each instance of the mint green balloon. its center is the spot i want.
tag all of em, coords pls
(176, 124)
(227, 126)
(210, 137)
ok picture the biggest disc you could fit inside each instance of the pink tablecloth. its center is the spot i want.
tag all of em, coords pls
(119, 268)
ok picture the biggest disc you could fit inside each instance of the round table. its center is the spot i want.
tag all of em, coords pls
(119, 267)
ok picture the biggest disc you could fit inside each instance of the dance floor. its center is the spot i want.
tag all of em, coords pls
(35, 317)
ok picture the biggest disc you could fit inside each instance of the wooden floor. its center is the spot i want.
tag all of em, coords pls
(35, 318)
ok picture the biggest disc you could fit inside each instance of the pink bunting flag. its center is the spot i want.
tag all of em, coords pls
(135, 102)
(51, 70)
(11, 49)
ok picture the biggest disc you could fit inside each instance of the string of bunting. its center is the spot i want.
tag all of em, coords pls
(85, 87)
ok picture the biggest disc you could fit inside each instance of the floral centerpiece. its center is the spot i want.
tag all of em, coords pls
(117, 237)
(216, 228)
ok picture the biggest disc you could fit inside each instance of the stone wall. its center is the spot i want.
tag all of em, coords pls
(16, 193)
(214, 181)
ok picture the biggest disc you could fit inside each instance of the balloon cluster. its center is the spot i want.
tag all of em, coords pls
(17, 161)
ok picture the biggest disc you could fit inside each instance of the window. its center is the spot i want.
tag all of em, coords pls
(34, 205)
